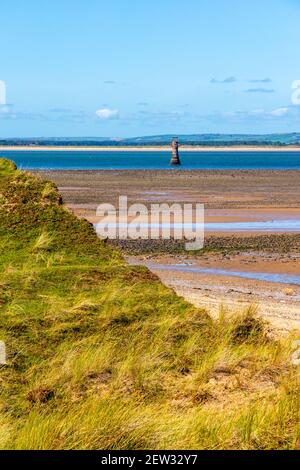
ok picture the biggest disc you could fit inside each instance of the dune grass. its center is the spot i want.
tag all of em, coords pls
(101, 355)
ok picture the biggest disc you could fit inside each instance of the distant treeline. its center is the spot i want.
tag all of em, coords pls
(127, 143)
(205, 140)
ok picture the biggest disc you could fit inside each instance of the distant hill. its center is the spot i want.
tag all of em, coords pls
(187, 139)
(221, 139)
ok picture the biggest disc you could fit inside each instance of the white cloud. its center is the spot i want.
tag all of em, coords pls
(279, 112)
(260, 90)
(261, 80)
(226, 80)
(106, 113)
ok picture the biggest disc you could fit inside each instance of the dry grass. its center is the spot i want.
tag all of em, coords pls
(103, 356)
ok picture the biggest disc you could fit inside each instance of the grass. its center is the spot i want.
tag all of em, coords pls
(101, 355)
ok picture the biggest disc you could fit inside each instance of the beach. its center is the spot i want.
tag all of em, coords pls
(149, 230)
(229, 196)
(230, 292)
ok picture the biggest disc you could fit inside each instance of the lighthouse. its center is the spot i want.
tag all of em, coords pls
(175, 154)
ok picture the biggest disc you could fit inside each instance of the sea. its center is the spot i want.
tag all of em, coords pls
(156, 160)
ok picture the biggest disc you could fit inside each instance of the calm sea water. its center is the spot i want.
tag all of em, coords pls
(138, 160)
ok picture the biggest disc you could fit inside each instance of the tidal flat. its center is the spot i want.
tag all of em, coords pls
(230, 197)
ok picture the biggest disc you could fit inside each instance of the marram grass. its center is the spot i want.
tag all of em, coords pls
(103, 356)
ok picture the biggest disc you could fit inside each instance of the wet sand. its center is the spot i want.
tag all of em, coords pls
(225, 193)
(276, 302)
(229, 196)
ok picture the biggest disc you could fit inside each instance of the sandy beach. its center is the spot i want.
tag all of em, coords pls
(276, 302)
(154, 148)
(229, 196)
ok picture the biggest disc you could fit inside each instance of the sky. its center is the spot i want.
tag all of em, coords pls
(115, 68)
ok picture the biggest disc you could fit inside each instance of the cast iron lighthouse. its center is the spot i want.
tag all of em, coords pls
(175, 154)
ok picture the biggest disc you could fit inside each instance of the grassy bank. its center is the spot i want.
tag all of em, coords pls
(102, 355)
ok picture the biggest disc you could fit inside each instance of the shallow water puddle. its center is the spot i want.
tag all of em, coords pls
(260, 276)
(290, 225)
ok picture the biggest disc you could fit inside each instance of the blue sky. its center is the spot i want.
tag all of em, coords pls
(143, 67)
